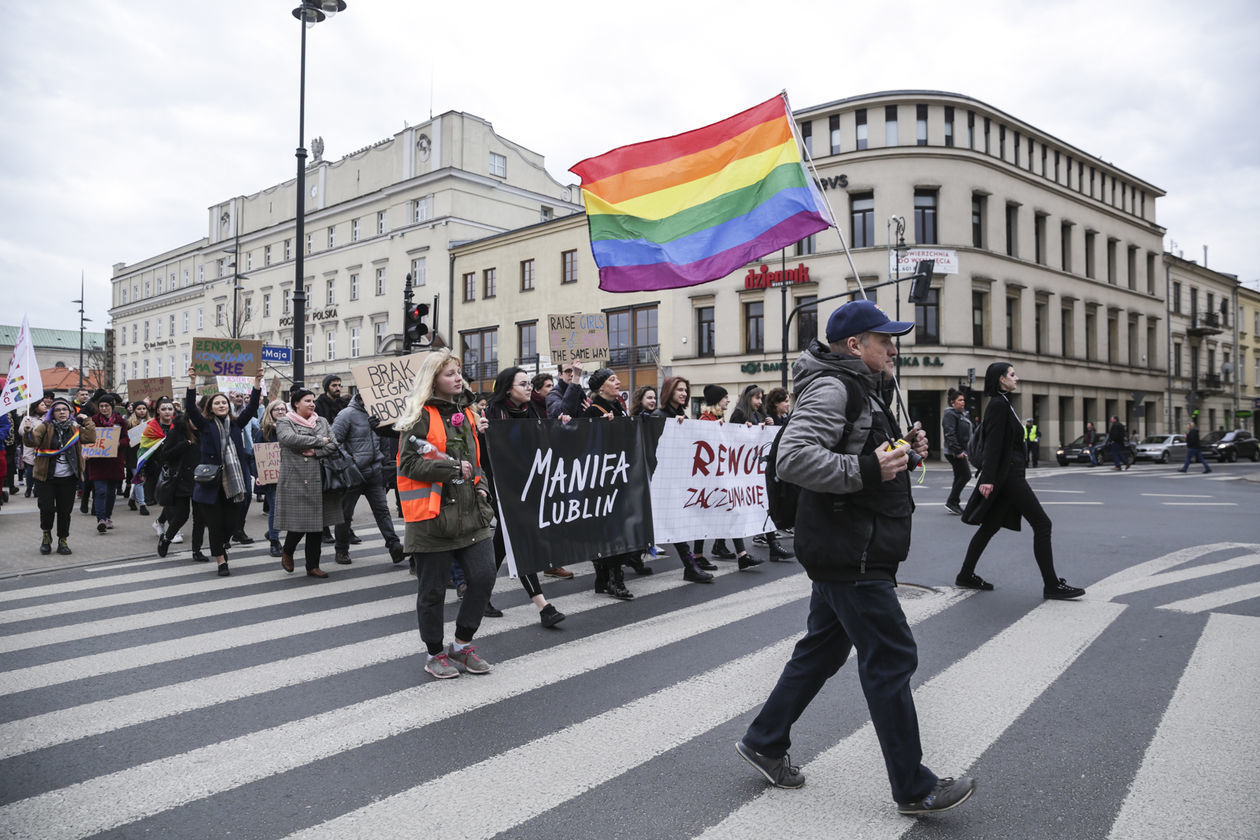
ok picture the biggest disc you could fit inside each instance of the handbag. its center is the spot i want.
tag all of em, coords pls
(338, 472)
(164, 487)
(207, 473)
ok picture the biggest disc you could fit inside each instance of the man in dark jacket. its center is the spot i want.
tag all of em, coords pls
(852, 532)
(1194, 449)
(353, 430)
(330, 403)
(1117, 437)
(567, 398)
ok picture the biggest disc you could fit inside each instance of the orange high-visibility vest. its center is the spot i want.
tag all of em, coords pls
(422, 500)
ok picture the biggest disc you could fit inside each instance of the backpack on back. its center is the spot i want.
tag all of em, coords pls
(975, 446)
(782, 496)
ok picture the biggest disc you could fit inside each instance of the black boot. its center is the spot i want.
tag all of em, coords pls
(640, 568)
(601, 576)
(617, 582)
(777, 550)
(692, 573)
(721, 552)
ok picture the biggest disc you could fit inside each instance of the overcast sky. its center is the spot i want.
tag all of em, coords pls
(125, 119)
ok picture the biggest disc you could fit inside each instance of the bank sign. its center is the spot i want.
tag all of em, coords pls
(946, 261)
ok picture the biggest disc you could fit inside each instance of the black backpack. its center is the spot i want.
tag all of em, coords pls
(975, 446)
(782, 496)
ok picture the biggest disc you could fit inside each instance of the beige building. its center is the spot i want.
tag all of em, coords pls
(373, 217)
(1248, 359)
(1047, 257)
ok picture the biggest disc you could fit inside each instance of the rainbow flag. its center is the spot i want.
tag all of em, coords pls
(150, 439)
(694, 207)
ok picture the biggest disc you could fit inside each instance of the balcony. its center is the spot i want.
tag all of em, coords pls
(646, 354)
(1203, 323)
(1210, 384)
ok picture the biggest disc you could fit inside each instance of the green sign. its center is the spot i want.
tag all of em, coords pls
(917, 361)
(759, 367)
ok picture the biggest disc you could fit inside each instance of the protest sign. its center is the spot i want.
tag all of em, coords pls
(571, 490)
(149, 389)
(267, 460)
(134, 434)
(273, 390)
(578, 338)
(239, 384)
(384, 385)
(710, 481)
(214, 357)
(106, 444)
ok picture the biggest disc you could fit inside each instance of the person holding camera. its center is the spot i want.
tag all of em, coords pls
(57, 443)
(852, 532)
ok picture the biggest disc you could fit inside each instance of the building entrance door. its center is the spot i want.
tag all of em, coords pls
(925, 406)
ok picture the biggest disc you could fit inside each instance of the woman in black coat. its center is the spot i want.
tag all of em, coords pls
(1002, 495)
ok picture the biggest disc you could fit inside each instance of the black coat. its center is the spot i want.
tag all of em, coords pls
(211, 445)
(1003, 459)
(180, 452)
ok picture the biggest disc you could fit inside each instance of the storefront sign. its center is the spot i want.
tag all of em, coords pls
(759, 367)
(833, 182)
(157, 345)
(917, 361)
(328, 314)
(764, 278)
(946, 261)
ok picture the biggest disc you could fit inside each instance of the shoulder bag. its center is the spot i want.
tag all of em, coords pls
(338, 472)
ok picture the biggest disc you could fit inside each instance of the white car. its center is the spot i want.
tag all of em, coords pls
(1160, 448)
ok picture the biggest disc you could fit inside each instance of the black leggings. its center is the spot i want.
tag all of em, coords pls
(1015, 495)
(314, 542)
(56, 502)
(529, 582)
(220, 517)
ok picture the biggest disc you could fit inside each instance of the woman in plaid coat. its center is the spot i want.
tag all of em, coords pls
(303, 509)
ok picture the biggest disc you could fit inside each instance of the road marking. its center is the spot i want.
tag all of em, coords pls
(1135, 578)
(1200, 504)
(848, 795)
(57, 727)
(1048, 490)
(1179, 495)
(1215, 600)
(1208, 734)
(1071, 503)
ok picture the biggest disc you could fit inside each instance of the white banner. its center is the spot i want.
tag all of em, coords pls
(946, 261)
(710, 481)
(23, 384)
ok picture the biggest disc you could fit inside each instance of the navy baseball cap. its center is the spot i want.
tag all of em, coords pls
(859, 316)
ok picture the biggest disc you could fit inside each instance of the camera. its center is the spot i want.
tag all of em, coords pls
(913, 459)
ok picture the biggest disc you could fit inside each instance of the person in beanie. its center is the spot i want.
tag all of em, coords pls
(852, 532)
(716, 398)
(107, 474)
(58, 468)
(330, 403)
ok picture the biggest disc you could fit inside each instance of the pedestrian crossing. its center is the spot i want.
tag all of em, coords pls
(156, 701)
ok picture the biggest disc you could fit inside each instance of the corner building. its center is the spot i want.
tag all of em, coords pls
(1047, 257)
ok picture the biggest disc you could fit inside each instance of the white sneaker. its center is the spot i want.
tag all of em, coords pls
(157, 527)
(179, 538)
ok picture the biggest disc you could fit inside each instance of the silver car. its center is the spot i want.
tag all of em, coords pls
(1160, 448)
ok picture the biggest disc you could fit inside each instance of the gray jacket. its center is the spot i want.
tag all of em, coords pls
(353, 431)
(957, 431)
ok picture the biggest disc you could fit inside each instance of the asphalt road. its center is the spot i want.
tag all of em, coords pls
(149, 698)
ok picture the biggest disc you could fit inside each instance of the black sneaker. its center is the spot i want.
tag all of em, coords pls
(721, 552)
(101, 526)
(697, 576)
(276, 550)
(703, 563)
(164, 545)
(550, 616)
(948, 793)
(354, 538)
(224, 571)
(954, 508)
(780, 772)
(198, 557)
(491, 611)
(974, 582)
(747, 561)
(778, 553)
(1062, 592)
(242, 538)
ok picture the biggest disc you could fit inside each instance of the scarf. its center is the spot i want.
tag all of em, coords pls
(305, 422)
(233, 474)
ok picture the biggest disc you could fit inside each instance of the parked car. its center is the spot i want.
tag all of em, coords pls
(1077, 453)
(1230, 446)
(1161, 448)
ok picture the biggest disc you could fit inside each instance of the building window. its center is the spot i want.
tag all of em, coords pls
(527, 275)
(332, 292)
(220, 313)
(632, 343)
(201, 321)
(470, 287)
(1150, 273)
(1040, 326)
(308, 348)
(920, 125)
(419, 271)
(925, 217)
(354, 286)
(833, 125)
(806, 246)
(979, 302)
(266, 255)
(1065, 245)
(754, 326)
(310, 244)
(1090, 241)
(1091, 333)
(481, 354)
(380, 222)
(157, 328)
(266, 306)
(354, 230)
(124, 295)
(354, 342)
(568, 267)
(1131, 265)
(704, 331)
(1012, 321)
(135, 369)
(422, 209)
(806, 321)
(1176, 365)
(863, 216)
(949, 125)
(1066, 337)
(185, 321)
(1017, 138)
(498, 165)
(1176, 302)
(171, 332)
(288, 249)
(859, 117)
(987, 124)
(146, 368)
(1111, 261)
(971, 129)
(1012, 230)
(287, 305)
(807, 138)
(331, 335)
(1002, 142)
(1113, 338)
(148, 286)
(527, 341)
(381, 284)
(489, 282)
(546, 214)
(927, 319)
(977, 220)
(890, 125)
(332, 237)
(1039, 238)
(378, 329)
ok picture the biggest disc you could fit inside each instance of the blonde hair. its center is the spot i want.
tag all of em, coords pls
(268, 423)
(716, 410)
(422, 386)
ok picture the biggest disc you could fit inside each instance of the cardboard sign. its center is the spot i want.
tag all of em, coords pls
(578, 338)
(384, 385)
(239, 384)
(273, 390)
(134, 434)
(267, 461)
(106, 445)
(226, 357)
(149, 389)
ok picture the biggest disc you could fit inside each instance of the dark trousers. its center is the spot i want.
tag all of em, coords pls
(1195, 454)
(864, 616)
(1118, 455)
(374, 491)
(477, 561)
(176, 514)
(220, 519)
(1016, 495)
(314, 543)
(56, 500)
(962, 474)
(242, 508)
(104, 494)
(529, 582)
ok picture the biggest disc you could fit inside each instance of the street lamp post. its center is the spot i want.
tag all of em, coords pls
(82, 322)
(894, 257)
(310, 12)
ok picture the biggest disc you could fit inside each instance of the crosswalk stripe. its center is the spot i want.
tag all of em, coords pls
(115, 799)
(63, 725)
(592, 752)
(1197, 778)
(849, 796)
(1215, 600)
(1233, 564)
(1134, 577)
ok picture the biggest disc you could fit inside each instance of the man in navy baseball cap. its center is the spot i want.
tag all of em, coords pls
(860, 316)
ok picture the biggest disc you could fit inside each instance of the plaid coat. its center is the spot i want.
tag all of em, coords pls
(301, 503)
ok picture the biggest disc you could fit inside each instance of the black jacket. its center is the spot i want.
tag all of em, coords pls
(329, 408)
(1004, 459)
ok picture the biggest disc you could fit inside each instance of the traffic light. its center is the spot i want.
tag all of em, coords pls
(921, 282)
(414, 327)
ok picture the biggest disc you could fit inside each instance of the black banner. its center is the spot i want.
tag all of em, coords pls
(570, 492)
